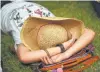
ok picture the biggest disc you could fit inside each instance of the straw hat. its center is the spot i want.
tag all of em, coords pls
(46, 32)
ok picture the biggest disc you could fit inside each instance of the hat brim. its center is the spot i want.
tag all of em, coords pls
(31, 27)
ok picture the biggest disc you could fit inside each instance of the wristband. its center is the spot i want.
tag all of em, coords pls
(47, 53)
(61, 47)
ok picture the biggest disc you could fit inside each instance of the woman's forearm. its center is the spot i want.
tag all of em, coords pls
(27, 56)
(82, 42)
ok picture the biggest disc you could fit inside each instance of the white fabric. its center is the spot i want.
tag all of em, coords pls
(14, 14)
(0, 69)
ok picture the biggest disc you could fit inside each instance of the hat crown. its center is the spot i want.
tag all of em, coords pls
(50, 35)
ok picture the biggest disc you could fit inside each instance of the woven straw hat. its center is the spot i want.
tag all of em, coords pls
(45, 32)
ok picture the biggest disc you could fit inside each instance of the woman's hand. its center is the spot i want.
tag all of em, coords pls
(53, 59)
(58, 57)
(47, 60)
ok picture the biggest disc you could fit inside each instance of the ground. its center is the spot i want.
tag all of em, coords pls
(80, 10)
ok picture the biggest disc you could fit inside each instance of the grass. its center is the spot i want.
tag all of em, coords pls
(80, 10)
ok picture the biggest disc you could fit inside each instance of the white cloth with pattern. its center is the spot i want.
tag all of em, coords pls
(14, 14)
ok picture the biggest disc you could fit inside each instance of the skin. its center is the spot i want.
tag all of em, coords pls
(27, 56)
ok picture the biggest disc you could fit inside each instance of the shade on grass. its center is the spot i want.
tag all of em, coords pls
(80, 10)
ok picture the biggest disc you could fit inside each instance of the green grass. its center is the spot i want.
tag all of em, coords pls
(80, 10)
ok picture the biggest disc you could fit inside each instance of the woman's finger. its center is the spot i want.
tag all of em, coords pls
(49, 60)
(45, 60)
(42, 60)
(57, 58)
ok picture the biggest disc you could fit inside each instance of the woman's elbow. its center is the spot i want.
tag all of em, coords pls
(90, 32)
(23, 59)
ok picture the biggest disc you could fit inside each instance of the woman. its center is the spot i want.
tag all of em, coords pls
(13, 16)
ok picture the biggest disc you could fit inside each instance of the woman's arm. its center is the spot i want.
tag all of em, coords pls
(27, 56)
(82, 42)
